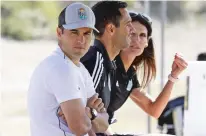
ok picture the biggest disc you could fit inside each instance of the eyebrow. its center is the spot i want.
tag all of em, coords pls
(75, 30)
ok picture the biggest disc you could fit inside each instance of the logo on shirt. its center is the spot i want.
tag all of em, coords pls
(117, 83)
(129, 85)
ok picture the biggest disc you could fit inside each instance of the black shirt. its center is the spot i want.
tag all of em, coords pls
(122, 86)
(102, 70)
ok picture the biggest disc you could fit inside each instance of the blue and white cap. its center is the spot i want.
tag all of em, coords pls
(77, 15)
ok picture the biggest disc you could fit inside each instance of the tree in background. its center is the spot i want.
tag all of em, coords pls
(28, 20)
(38, 19)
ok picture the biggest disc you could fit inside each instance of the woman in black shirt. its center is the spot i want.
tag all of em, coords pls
(140, 55)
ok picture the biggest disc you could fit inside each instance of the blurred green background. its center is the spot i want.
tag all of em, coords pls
(28, 20)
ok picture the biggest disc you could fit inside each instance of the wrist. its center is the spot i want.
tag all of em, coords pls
(172, 78)
(174, 75)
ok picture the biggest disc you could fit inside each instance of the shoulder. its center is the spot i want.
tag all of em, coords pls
(93, 58)
(56, 67)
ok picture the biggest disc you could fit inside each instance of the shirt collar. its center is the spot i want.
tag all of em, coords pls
(59, 52)
(130, 72)
(109, 64)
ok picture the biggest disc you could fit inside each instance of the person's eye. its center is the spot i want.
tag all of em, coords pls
(88, 33)
(143, 35)
(74, 32)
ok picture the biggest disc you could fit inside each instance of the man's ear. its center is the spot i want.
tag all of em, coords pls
(59, 32)
(110, 28)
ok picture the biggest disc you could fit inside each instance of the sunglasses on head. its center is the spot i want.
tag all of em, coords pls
(141, 15)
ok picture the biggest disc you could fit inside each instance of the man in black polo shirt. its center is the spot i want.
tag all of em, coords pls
(114, 24)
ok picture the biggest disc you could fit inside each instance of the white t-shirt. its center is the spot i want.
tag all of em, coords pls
(56, 80)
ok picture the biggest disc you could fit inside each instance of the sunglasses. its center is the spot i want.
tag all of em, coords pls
(141, 15)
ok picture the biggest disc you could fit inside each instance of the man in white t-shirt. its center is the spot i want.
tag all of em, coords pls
(62, 82)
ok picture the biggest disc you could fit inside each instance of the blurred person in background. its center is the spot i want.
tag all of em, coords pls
(62, 82)
(201, 56)
(140, 54)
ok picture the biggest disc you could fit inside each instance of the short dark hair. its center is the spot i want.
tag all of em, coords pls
(201, 56)
(107, 12)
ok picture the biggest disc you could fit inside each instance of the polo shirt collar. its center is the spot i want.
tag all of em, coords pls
(109, 65)
(130, 72)
(63, 56)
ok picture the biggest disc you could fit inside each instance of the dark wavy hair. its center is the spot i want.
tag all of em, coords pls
(147, 58)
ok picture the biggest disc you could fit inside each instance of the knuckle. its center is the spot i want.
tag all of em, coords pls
(100, 99)
(101, 105)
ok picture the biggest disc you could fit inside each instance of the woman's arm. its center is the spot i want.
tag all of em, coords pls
(155, 108)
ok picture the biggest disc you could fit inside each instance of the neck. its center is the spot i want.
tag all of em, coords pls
(73, 59)
(127, 60)
(110, 47)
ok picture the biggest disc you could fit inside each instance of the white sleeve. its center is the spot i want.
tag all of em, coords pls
(90, 85)
(63, 84)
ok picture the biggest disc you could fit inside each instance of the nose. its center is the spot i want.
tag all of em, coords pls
(135, 39)
(81, 39)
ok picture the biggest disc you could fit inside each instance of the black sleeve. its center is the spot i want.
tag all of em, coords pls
(135, 82)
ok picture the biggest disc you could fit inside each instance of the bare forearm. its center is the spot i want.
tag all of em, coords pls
(81, 128)
(155, 108)
(152, 107)
(179, 65)
(161, 101)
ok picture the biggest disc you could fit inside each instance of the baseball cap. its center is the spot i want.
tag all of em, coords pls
(77, 15)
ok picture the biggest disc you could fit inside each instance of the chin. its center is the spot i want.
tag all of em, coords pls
(80, 54)
(137, 52)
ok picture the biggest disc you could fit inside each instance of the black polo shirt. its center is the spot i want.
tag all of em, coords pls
(122, 86)
(102, 70)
